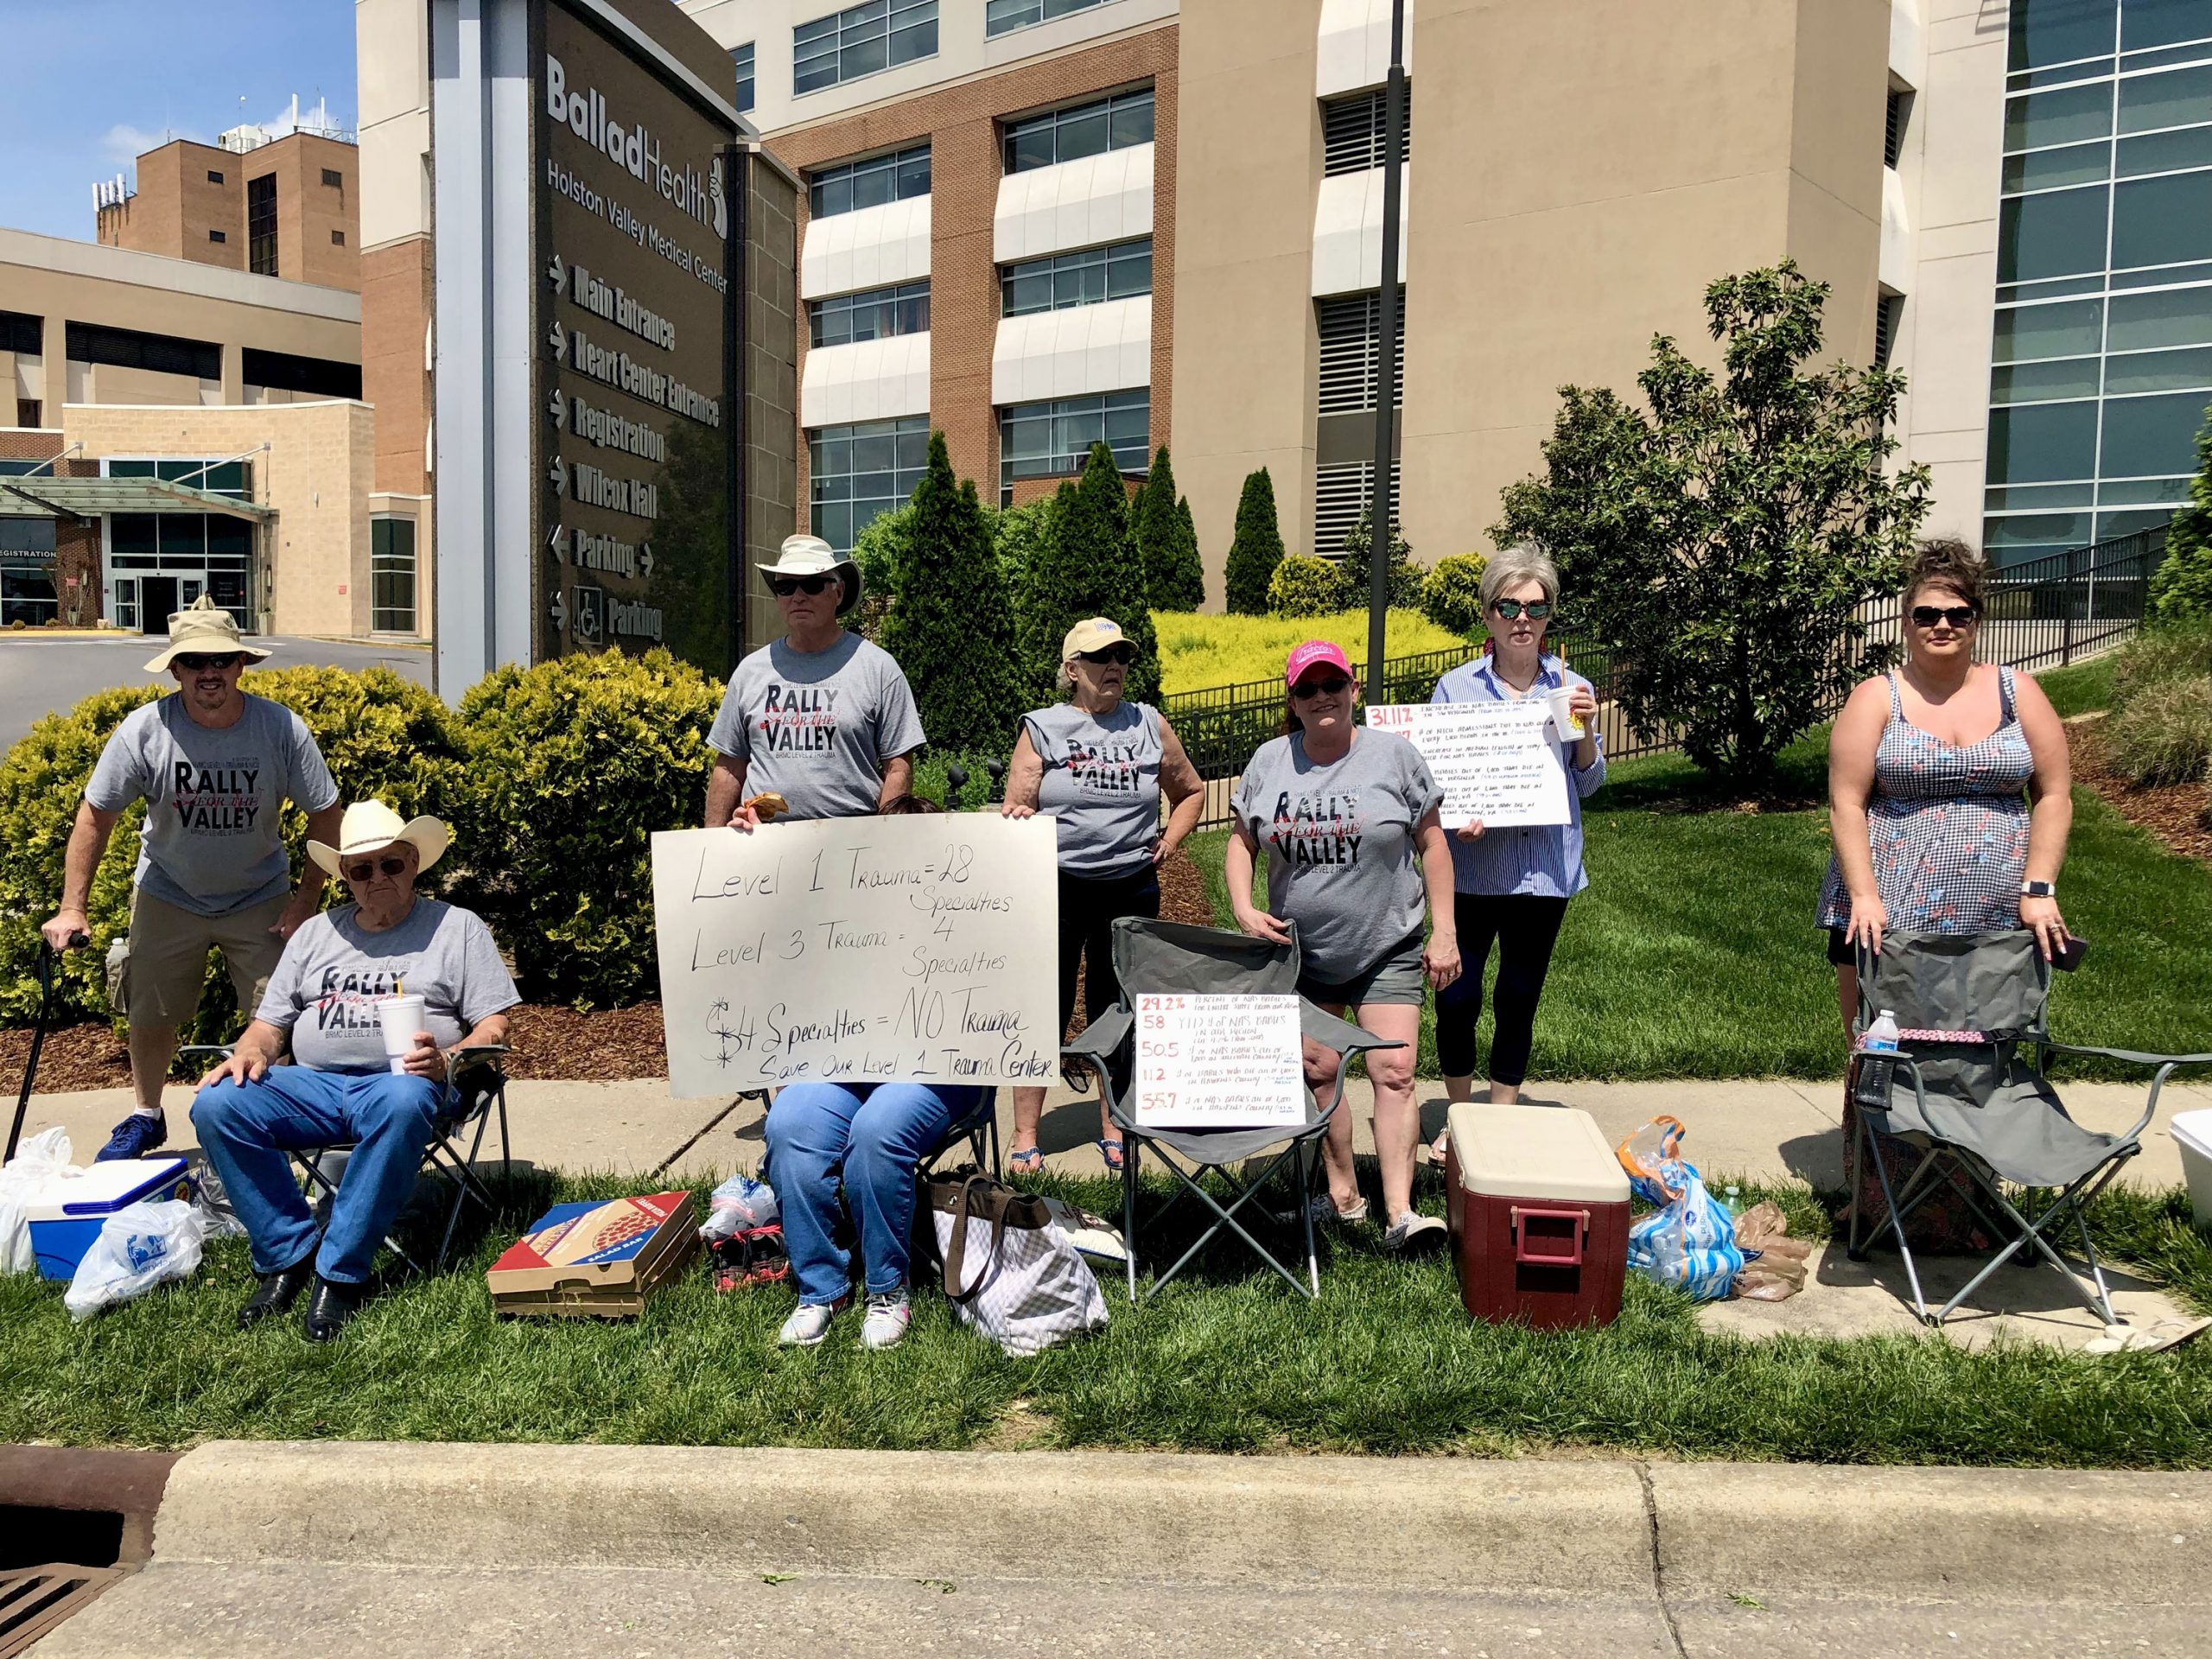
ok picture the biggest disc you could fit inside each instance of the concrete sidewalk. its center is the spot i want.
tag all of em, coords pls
(1767, 1128)
(643, 1551)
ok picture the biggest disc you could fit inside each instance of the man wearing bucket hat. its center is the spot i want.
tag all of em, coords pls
(214, 766)
(821, 717)
(341, 1085)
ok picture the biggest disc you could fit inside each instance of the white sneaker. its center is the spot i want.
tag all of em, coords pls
(1411, 1231)
(1326, 1210)
(888, 1316)
(809, 1324)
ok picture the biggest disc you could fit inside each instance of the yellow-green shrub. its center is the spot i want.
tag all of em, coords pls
(1305, 586)
(1200, 651)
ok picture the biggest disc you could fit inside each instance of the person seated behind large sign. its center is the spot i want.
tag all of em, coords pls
(250, 1111)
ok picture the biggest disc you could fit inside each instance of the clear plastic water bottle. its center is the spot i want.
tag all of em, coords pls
(1881, 1037)
(1875, 1075)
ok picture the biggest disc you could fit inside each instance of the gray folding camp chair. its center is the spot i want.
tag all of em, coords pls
(976, 1130)
(1968, 1080)
(1175, 958)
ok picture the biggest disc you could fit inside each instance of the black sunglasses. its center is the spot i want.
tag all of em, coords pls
(1124, 654)
(192, 661)
(1927, 616)
(368, 866)
(784, 586)
(1512, 608)
(1327, 688)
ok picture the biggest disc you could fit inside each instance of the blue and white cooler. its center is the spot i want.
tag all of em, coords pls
(67, 1213)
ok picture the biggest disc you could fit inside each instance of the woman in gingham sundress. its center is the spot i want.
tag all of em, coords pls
(1949, 792)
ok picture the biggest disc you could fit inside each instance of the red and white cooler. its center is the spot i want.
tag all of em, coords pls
(1538, 1207)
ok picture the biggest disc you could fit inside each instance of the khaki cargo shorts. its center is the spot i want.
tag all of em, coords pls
(167, 965)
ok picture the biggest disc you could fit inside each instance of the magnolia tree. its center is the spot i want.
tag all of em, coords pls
(1723, 538)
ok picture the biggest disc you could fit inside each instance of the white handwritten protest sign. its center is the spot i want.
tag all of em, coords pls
(1218, 1062)
(1495, 761)
(860, 949)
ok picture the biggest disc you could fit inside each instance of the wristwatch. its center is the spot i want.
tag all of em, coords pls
(2039, 889)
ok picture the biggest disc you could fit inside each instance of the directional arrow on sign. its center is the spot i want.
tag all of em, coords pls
(560, 613)
(558, 541)
(557, 475)
(556, 407)
(554, 272)
(646, 559)
(557, 337)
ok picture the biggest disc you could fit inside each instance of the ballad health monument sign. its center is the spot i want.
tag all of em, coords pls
(591, 177)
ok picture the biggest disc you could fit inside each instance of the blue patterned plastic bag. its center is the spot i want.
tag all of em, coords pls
(1690, 1244)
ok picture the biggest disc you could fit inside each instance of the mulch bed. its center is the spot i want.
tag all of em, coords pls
(2167, 811)
(607, 1045)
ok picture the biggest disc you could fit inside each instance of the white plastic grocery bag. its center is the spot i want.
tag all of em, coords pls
(37, 1160)
(140, 1246)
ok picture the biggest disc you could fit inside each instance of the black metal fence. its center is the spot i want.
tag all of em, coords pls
(2042, 613)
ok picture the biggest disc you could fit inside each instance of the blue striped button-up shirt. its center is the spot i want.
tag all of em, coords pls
(1543, 859)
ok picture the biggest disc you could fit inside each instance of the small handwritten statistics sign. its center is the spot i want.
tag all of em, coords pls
(1218, 1062)
(858, 951)
(1495, 761)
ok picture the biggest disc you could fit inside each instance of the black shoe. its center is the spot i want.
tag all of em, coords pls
(277, 1292)
(331, 1305)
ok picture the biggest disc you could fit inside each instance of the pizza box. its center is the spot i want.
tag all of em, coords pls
(613, 1250)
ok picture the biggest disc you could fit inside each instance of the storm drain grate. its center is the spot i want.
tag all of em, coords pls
(34, 1599)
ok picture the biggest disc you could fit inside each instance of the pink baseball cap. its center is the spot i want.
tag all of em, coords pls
(1313, 650)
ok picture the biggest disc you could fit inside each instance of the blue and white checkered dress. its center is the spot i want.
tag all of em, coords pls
(1948, 826)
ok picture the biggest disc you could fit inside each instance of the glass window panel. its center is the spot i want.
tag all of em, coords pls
(1129, 274)
(2130, 490)
(850, 20)
(183, 533)
(2175, 98)
(810, 76)
(2023, 530)
(2036, 383)
(871, 450)
(833, 195)
(2166, 152)
(2163, 23)
(2065, 117)
(2056, 31)
(2053, 235)
(2047, 169)
(2043, 441)
(1132, 120)
(1032, 148)
(1082, 134)
(821, 29)
(2148, 435)
(917, 41)
(2158, 372)
(130, 532)
(1090, 278)
(2111, 525)
(863, 57)
(2162, 221)
(2044, 496)
(914, 174)
(130, 469)
(2174, 316)
(1032, 291)
(229, 537)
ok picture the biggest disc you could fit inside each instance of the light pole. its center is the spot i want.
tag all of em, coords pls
(1384, 516)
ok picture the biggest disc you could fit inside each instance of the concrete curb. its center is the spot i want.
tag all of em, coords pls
(1594, 1527)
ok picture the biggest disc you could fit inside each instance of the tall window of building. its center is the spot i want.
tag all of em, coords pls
(2103, 350)
(130, 348)
(860, 40)
(1053, 284)
(29, 410)
(26, 593)
(1052, 439)
(857, 473)
(1080, 129)
(741, 58)
(1900, 117)
(261, 225)
(391, 576)
(853, 185)
(1354, 132)
(873, 314)
(21, 334)
(1000, 15)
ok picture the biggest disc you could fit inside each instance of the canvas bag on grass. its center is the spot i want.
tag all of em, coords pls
(1011, 1273)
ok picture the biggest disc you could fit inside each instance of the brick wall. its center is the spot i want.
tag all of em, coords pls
(395, 312)
(962, 125)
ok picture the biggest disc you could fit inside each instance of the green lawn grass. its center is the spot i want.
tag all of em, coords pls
(1229, 1361)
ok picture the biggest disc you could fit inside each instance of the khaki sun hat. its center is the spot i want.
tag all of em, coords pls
(370, 826)
(1095, 634)
(203, 626)
(810, 556)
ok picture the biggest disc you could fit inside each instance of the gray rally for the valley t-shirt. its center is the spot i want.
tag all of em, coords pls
(1341, 859)
(816, 727)
(325, 986)
(1102, 782)
(215, 799)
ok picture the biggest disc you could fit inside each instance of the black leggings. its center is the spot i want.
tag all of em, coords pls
(1526, 926)
(1088, 908)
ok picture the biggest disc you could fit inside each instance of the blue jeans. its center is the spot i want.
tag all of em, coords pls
(875, 1134)
(246, 1128)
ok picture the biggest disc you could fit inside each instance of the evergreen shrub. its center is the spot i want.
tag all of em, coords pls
(1452, 594)
(1256, 548)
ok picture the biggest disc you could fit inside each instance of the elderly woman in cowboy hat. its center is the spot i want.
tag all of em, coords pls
(214, 767)
(341, 1087)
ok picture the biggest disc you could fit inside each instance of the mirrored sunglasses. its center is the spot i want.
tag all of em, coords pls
(1512, 609)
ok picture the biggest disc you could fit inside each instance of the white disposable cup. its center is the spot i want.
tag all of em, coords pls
(400, 1018)
(1569, 728)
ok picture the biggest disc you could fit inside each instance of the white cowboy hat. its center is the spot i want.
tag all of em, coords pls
(203, 626)
(370, 826)
(810, 556)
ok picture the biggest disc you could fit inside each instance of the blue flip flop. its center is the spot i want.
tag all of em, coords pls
(1111, 1152)
(1027, 1162)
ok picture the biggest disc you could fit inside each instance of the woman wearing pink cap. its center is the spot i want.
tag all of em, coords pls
(1356, 861)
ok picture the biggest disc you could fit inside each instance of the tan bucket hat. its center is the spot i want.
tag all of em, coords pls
(370, 826)
(810, 556)
(203, 626)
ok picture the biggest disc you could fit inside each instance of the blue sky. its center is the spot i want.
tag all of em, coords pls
(91, 83)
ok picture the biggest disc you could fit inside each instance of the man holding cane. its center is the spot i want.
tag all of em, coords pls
(215, 767)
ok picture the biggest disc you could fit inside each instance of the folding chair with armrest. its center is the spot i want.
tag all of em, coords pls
(1173, 958)
(479, 1076)
(1971, 1008)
